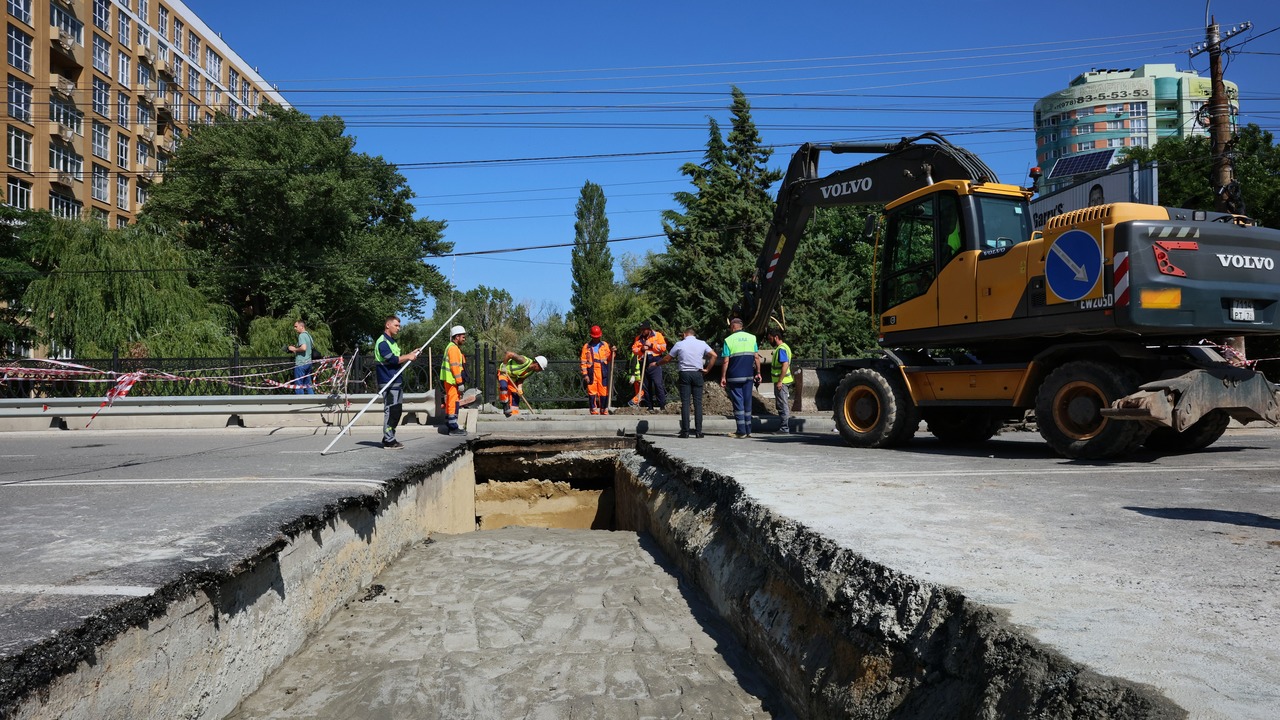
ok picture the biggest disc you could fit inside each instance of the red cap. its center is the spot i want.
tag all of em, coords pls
(595, 331)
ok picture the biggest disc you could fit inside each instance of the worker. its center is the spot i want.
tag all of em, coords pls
(649, 347)
(780, 370)
(597, 361)
(739, 374)
(453, 379)
(387, 355)
(512, 371)
(633, 377)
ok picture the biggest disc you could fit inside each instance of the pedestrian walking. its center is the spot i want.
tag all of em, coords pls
(453, 379)
(302, 383)
(512, 372)
(739, 374)
(596, 363)
(649, 347)
(694, 359)
(388, 359)
(780, 371)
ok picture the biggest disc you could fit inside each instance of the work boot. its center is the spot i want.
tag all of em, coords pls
(393, 445)
(458, 432)
(604, 412)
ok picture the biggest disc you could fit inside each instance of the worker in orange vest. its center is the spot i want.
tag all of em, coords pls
(597, 359)
(649, 347)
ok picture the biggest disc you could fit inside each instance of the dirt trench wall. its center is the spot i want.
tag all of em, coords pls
(844, 637)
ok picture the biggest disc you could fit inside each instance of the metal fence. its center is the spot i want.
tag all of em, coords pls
(560, 385)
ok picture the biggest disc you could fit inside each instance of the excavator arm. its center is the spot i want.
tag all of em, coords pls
(905, 166)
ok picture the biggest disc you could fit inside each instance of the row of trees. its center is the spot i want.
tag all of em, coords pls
(262, 221)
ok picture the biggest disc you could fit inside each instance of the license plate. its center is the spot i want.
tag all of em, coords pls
(1242, 310)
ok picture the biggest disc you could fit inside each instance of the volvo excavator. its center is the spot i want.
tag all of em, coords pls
(1108, 323)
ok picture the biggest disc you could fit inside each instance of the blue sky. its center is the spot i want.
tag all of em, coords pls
(455, 92)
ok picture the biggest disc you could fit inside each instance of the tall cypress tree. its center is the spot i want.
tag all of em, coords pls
(592, 262)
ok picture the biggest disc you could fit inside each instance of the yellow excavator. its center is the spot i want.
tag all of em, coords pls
(1108, 323)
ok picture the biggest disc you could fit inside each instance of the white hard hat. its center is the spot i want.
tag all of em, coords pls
(542, 362)
(457, 330)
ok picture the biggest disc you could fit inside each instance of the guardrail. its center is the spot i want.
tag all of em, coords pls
(205, 405)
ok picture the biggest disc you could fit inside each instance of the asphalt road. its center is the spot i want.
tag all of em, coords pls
(1163, 570)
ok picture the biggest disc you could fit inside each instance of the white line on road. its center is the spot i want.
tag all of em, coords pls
(198, 481)
(1090, 470)
(128, 590)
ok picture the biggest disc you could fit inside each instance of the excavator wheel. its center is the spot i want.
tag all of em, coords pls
(1067, 410)
(874, 410)
(1202, 433)
(962, 426)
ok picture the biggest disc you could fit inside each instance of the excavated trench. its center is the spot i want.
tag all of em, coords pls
(795, 625)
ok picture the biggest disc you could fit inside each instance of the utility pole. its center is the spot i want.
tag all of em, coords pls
(1226, 191)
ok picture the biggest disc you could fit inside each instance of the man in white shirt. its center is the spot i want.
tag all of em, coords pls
(694, 359)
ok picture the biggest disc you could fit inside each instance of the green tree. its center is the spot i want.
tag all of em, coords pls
(490, 315)
(713, 240)
(1186, 172)
(591, 260)
(16, 272)
(285, 217)
(129, 290)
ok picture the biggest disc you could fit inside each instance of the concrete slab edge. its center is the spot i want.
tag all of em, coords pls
(845, 637)
(200, 643)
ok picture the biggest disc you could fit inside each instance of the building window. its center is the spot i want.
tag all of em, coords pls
(101, 97)
(64, 113)
(124, 69)
(144, 116)
(21, 9)
(144, 10)
(233, 82)
(1115, 124)
(66, 22)
(213, 64)
(19, 99)
(65, 160)
(102, 55)
(102, 140)
(19, 149)
(1115, 142)
(193, 81)
(124, 30)
(63, 206)
(1084, 146)
(163, 23)
(177, 68)
(141, 197)
(19, 194)
(122, 151)
(193, 47)
(121, 222)
(122, 108)
(1138, 126)
(122, 193)
(1137, 109)
(101, 184)
(144, 76)
(1115, 108)
(102, 15)
(1139, 141)
(193, 111)
(144, 155)
(19, 50)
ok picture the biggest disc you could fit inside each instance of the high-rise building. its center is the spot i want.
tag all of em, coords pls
(101, 93)
(1084, 129)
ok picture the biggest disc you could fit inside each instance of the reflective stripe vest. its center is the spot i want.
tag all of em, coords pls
(740, 350)
(518, 371)
(388, 363)
(452, 359)
(781, 353)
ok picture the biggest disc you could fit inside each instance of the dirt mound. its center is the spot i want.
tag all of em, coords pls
(715, 401)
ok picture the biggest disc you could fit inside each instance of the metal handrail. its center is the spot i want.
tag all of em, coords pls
(202, 405)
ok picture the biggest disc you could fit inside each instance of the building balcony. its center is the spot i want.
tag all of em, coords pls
(148, 134)
(65, 46)
(63, 86)
(65, 179)
(62, 131)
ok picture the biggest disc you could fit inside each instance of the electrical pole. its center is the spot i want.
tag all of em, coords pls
(1226, 191)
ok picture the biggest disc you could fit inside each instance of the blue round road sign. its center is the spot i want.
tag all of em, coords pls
(1073, 265)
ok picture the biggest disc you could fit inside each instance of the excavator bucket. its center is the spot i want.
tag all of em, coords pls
(1178, 402)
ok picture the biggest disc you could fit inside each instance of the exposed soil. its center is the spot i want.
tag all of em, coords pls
(714, 402)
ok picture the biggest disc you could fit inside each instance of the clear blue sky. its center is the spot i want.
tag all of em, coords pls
(449, 90)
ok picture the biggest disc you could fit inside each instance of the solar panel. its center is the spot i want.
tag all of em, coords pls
(1083, 163)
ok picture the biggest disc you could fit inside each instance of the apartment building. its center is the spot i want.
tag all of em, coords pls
(101, 93)
(1085, 128)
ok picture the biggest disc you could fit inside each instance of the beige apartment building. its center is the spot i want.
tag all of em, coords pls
(101, 93)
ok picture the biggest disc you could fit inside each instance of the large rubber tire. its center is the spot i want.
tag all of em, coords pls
(1202, 433)
(874, 410)
(1067, 406)
(962, 426)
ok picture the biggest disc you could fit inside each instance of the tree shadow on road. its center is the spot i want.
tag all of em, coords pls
(1227, 517)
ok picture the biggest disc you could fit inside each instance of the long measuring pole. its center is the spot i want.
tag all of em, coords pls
(403, 367)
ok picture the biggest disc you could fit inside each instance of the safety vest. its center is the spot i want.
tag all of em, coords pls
(452, 356)
(739, 350)
(776, 365)
(519, 371)
(377, 349)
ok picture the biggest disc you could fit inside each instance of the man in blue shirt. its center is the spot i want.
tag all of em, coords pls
(739, 374)
(386, 353)
(694, 359)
